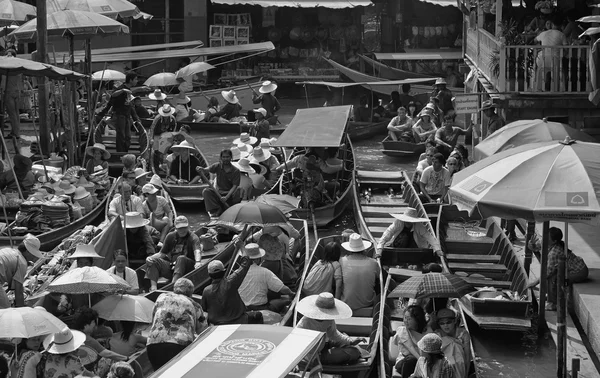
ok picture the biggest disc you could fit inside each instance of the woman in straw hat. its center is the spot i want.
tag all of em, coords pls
(424, 129)
(99, 158)
(246, 186)
(268, 100)
(184, 167)
(320, 313)
(232, 107)
(432, 363)
(408, 230)
(140, 240)
(62, 360)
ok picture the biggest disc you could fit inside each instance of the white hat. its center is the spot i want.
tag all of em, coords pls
(33, 244)
(157, 95)
(139, 172)
(67, 187)
(134, 219)
(262, 111)
(80, 193)
(85, 250)
(243, 147)
(244, 166)
(184, 144)
(440, 81)
(166, 110)
(260, 154)
(65, 341)
(253, 251)
(356, 244)
(149, 189)
(237, 153)
(98, 146)
(181, 98)
(245, 138)
(181, 222)
(156, 180)
(230, 96)
(267, 87)
(324, 307)
(410, 215)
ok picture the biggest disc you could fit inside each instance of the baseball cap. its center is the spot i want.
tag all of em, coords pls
(181, 222)
(215, 266)
(262, 111)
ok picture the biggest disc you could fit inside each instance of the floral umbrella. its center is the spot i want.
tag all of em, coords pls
(12, 11)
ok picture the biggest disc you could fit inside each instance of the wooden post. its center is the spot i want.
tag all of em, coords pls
(543, 275)
(528, 251)
(42, 49)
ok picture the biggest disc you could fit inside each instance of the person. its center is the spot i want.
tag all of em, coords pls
(157, 210)
(162, 123)
(406, 339)
(378, 110)
(494, 121)
(577, 270)
(411, 109)
(432, 363)
(183, 110)
(360, 274)
(120, 370)
(140, 242)
(182, 249)
(121, 269)
(99, 158)
(4, 365)
(274, 252)
(320, 313)
(436, 113)
(176, 319)
(452, 165)
(443, 94)
(84, 255)
(394, 103)
(126, 342)
(259, 281)
(548, 59)
(262, 156)
(125, 202)
(25, 179)
(408, 230)
(86, 321)
(538, 24)
(424, 129)
(121, 104)
(232, 107)
(571, 29)
(184, 168)
(326, 274)
(62, 360)
(30, 362)
(13, 85)
(400, 125)
(212, 109)
(362, 113)
(422, 164)
(451, 78)
(247, 177)
(262, 128)
(13, 267)
(140, 109)
(406, 97)
(268, 101)
(446, 136)
(435, 180)
(159, 97)
(456, 341)
(225, 192)
(462, 154)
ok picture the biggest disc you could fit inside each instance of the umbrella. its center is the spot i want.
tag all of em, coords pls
(551, 181)
(432, 285)
(15, 11)
(108, 75)
(108, 8)
(8, 29)
(125, 307)
(283, 202)
(194, 68)
(27, 322)
(15, 66)
(87, 280)
(527, 131)
(252, 214)
(161, 79)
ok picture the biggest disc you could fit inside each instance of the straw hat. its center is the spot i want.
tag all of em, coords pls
(139, 172)
(157, 95)
(267, 87)
(80, 193)
(181, 222)
(134, 219)
(245, 138)
(166, 110)
(244, 165)
(65, 341)
(440, 81)
(230, 96)
(67, 187)
(356, 244)
(488, 104)
(258, 168)
(247, 148)
(149, 189)
(430, 343)
(181, 98)
(85, 250)
(86, 355)
(410, 215)
(98, 146)
(184, 144)
(156, 180)
(237, 153)
(253, 251)
(324, 307)
(33, 244)
(446, 313)
(260, 154)
(262, 111)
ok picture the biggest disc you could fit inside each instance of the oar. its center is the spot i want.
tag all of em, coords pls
(252, 89)
(314, 220)
(236, 254)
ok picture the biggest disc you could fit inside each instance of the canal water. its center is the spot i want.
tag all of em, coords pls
(500, 354)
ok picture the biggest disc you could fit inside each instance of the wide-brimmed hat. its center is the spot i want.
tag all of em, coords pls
(181, 98)
(149, 189)
(253, 251)
(80, 193)
(243, 147)
(356, 244)
(230, 96)
(258, 168)
(166, 110)
(67, 187)
(98, 146)
(86, 355)
(134, 219)
(262, 111)
(425, 113)
(243, 165)
(446, 313)
(410, 215)
(324, 307)
(430, 343)
(140, 172)
(85, 250)
(245, 138)
(260, 154)
(237, 153)
(487, 104)
(267, 87)
(440, 81)
(157, 95)
(65, 341)
(181, 222)
(156, 180)
(33, 244)
(184, 144)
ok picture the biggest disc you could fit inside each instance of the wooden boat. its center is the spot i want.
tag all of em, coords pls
(139, 147)
(365, 130)
(386, 72)
(480, 252)
(398, 148)
(233, 128)
(52, 238)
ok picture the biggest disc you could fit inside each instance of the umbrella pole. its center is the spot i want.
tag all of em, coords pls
(543, 276)
(88, 81)
(561, 309)
(314, 221)
(124, 217)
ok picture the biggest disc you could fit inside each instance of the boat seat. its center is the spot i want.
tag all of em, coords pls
(379, 220)
(458, 257)
(386, 209)
(477, 267)
(479, 282)
(355, 326)
(397, 256)
(162, 282)
(404, 274)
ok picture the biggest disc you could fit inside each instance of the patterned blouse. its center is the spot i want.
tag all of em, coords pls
(173, 320)
(62, 366)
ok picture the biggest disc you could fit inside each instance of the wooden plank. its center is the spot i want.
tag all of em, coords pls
(480, 282)
(476, 267)
(404, 273)
(473, 258)
(461, 235)
(391, 175)
(387, 220)
(384, 209)
(377, 230)
(355, 326)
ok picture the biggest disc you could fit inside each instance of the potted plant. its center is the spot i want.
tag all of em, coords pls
(545, 6)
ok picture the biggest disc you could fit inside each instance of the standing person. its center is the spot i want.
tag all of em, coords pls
(12, 94)
(435, 180)
(268, 101)
(360, 274)
(548, 60)
(121, 103)
(446, 137)
(225, 192)
(443, 94)
(13, 266)
(494, 121)
(121, 269)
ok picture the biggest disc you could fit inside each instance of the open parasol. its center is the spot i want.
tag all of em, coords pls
(108, 8)
(432, 285)
(12, 11)
(27, 322)
(133, 308)
(162, 79)
(88, 280)
(193, 68)
(108, 75)
(15, 66)
(283, 202)
(252, 214)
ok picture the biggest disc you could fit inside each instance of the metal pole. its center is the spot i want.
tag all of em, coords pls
(42, 49)
(543, 275)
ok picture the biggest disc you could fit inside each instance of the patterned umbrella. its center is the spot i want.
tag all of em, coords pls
(432, 285)
(26, 322)
(108, 8)
(252, 214)
(87, 280)
(125, 307)
(108, 75)
(161, 79)
(15, 11)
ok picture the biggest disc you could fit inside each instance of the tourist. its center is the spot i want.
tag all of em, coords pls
(262, 128)
(157, 182)
(456, 341)
(360, 274)
(99, 158)
(432, 363)
(140, 236)
(121, 370)
(411, 109)
(157, 210)
(127, 342)
(268, 100)
(175, 321)
(435, 180)
(124, 202)
(452, 165)
(446, 137)
(494, 121)
(408, 230)
(225, 191)
(13, 266)
(182, 251)
(86, 321)
(406, 339)
(443, 94)
(25, 179)
(62, 360)
(259, 281)
(120, 269)
(399, 125)
(84, 255)
(184, 168)
(232, 107)
(320, 313)
(424, 129)
(421, 165)
(548, 60)
(326, 274)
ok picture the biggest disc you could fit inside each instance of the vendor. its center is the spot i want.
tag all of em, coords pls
(184, 167)
(232, 108)
(225, 192)
(268, 101)
(408, 231)
(140, 243)
(25, 178)
(99, 158)
(159, 97)
(13, 267)
(262, 128)
(121, 269)
(85, 254)
(140, 109)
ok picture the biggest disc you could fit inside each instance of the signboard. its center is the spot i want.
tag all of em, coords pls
(466, 103)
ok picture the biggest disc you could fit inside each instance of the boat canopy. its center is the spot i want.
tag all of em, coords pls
(334, 84)
(422, 55)
(243, 351)
(333, 4)
(316, 127)
(15, 66)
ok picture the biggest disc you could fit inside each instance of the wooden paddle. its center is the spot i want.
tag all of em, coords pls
(243, 235)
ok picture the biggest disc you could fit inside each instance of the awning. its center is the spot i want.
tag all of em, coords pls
(334, 4)
(422, 55)
(15, 66)
(335, 84)
(316, 127)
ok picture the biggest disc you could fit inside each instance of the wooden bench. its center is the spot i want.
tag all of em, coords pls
(397, 256)
(355, 326)
(477, 267)
(458, 257)
(480, 282)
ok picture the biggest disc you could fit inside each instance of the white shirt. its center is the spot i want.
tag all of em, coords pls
(130, 276)
(134, 204)
(256, 285)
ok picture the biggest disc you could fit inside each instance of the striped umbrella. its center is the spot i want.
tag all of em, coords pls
(432, 285)
(88, 280)
(252, 214)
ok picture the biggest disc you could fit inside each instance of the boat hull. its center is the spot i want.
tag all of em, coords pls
(400, 148)
(386, 72)
(365, 130)
(186, 194)
(225, 128)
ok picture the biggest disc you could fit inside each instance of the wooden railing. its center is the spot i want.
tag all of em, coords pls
(530, 68)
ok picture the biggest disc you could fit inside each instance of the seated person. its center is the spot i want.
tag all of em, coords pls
(141, 238)
(406, 339)
(213, 108)
(99, 157)
(127, 342)
(25, 178)
(446, 137)
(360, 274)
(262, 128)
(157, 210)
(456, 341)
(225, 192)
(84, 255)
(232, 107)
(424, 129)
(435, 180)
(408, 231)
(140, 109)
(399, 125)
(184, 167)
(86, 321)
(124, 202)
(427, 162)
(362, 112)
(312, 185)
(121, 269)
(182, 249)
